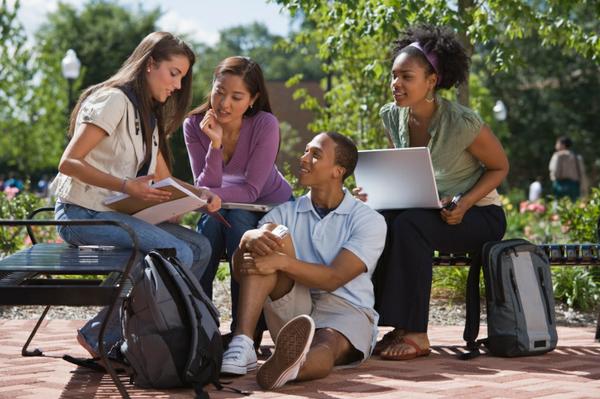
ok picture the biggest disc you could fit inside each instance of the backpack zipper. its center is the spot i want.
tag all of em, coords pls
(499, 286)
(515, 289)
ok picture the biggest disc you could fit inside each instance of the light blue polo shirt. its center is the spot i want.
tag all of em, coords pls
(352, 225)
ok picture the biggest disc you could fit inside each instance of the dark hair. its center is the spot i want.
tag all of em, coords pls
(253, 78)
(566, 141)
(452, 59)
(346, 153)
(158, 46)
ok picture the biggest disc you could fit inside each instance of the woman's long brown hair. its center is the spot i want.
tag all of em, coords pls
(158, 46)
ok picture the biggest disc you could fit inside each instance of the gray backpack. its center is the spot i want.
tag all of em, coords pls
(171, 328)
(519, 301)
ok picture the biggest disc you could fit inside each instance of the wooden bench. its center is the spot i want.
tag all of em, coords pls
(567, 255)
(51, 274)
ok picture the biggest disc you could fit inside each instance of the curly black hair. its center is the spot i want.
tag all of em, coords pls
(453, 61)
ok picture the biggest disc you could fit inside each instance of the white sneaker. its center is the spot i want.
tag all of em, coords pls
(240, 357)
(291, 347)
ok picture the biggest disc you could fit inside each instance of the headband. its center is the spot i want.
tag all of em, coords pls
(431, 57)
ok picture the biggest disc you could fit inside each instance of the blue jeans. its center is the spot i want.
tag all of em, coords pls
(193, 250)
(224, 241)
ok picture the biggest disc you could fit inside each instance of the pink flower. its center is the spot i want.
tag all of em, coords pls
(523, 206)
(11, 192)
(535, 207)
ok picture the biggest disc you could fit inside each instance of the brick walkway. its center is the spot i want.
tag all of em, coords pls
(571, 371)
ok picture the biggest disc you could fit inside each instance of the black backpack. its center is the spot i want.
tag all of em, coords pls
(171, 328)
(519, 301)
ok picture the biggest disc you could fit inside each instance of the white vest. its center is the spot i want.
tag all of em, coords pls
(120, 154)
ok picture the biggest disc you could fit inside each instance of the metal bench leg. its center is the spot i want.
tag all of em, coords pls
(104, 354)
(36, 352)
(114, 376)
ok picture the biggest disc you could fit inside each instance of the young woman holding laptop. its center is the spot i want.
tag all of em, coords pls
(469, 164)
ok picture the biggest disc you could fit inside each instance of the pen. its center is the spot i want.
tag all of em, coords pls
(452, 204)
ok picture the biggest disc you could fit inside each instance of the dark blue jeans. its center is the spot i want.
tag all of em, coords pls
(566, 188)
(224, 241)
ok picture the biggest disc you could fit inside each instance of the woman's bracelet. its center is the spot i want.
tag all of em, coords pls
(123, 186)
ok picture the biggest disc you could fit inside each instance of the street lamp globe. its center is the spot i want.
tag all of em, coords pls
(70, 65)
(499, 111)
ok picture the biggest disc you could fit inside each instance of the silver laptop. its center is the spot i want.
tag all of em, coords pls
(398, 178)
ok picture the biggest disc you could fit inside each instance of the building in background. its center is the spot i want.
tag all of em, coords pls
(294, 120)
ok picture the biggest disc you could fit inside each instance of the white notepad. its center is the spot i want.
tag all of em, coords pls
(399, 178)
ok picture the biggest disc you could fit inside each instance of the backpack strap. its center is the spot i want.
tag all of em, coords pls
(471, 330)
(128, 90)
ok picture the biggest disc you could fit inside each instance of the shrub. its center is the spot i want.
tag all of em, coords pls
(580, 219)
(15, 205)
(576, 287)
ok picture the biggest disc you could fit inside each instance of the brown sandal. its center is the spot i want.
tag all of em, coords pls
(407, 356)
(390, 338)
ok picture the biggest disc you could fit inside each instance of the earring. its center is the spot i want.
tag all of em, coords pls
(148, 69)
(251, 105)
(430, 98)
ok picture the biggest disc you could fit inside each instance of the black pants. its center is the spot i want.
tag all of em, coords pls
(403, 275)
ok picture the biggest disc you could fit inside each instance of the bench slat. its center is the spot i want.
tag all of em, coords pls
(64, 259)
(558, 254)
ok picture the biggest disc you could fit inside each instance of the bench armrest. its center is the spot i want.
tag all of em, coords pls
(31, 216)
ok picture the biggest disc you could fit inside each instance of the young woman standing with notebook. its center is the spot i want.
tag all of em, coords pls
(467, 159)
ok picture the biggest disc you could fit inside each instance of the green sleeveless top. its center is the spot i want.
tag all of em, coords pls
(452, 129)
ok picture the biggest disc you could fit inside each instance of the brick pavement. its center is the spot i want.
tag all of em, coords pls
(571, 371)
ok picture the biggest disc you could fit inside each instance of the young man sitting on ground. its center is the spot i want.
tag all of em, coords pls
(316, 275)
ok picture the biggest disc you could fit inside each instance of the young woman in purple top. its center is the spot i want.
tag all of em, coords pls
(232, 141)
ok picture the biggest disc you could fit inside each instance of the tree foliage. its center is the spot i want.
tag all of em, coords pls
(103, 34)
(354, 37)
(32, 101)
(33, 93)
(278, 61)
(547, 96)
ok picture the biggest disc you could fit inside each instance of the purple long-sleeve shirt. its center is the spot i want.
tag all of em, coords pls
(250, 176)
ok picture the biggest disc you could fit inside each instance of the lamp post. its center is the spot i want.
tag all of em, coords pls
(70, 69)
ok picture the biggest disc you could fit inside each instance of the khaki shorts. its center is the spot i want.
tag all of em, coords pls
(327, 311)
